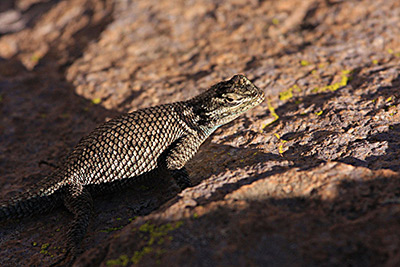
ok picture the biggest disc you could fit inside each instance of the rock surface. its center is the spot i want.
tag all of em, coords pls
(308, 178)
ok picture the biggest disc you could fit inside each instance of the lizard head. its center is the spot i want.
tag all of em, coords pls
(226, 100)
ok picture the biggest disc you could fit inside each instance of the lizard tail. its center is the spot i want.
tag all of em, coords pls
(31, 202)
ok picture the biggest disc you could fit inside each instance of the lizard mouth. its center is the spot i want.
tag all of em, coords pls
(259, 97)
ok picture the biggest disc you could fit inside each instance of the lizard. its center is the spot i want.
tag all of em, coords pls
(153, 141)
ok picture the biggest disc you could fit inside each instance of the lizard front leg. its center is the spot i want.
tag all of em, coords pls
(178, 154)
(181, 178)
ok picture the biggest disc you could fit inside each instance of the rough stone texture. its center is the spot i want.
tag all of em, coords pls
(308, 178)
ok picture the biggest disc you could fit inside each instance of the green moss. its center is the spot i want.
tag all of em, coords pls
(289, 92)
(154, 236)
(345, 78)
(43, 249)
(304, 63)
(275, 21)
(96, 101)
(45, 246)
(34, 244)
(392, 109)
(273, 113)
(315, 90)
(280, 147)
(286, 94)
(36, 57)
(123, 260)
(146, 227)
(111, 229)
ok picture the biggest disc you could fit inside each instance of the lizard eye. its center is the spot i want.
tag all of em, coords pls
(231, 97)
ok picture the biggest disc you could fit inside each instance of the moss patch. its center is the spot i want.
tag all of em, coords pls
(333, 87)
(155, 236)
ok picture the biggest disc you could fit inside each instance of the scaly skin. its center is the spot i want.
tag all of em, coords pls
(153, 141)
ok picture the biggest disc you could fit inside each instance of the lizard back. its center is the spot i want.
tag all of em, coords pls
(127, 146)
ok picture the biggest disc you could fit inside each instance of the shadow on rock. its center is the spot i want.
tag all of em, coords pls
(231, 168)
(354, 227)
(42, 118)
(391, 157)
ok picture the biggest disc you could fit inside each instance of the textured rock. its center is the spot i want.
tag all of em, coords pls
(309, 177)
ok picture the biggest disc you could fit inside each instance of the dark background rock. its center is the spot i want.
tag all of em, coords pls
(309, 177)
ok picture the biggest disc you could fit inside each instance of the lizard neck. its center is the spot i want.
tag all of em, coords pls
(202, 116)
(196, 118)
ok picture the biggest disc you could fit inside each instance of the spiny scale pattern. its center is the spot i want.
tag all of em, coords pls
(147, 142)
(127, 146)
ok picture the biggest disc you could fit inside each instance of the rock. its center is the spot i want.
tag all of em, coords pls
(309, 177)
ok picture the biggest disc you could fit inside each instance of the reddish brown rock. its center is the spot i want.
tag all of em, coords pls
(309, 177)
